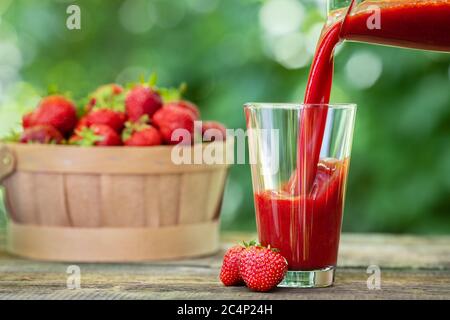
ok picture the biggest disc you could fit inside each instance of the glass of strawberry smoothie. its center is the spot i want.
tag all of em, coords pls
(301, 219)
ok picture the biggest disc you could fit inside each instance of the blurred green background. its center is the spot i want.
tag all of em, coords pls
(233, 51)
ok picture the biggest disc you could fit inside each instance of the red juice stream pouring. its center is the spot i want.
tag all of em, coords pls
(421, 24)
(304, 219)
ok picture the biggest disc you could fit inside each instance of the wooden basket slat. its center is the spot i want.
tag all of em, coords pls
(216, 188)
(50, 192)
(83, 203)
(21, 196)
(194, 197)
(151, 201)
(169, 193)
(122, 200)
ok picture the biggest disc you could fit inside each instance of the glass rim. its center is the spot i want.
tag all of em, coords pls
(298, 106)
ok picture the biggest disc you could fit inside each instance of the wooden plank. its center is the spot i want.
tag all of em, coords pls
(164, 282)
(390, 251)
(412, 267)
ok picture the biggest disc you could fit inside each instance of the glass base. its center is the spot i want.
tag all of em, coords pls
(308, 279)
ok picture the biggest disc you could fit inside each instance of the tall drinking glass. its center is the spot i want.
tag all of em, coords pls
(304, 225)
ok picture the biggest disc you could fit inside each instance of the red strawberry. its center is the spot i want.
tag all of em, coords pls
(186, 105)
(142, 100)
(229, 273)
(82, 123)
(41, 134)
(56, 111)
(96, 134)
(114, 119)
(261, 268)
(26, 120)
(168, 119)
(212, 131)
(106, 96)
(148, 136)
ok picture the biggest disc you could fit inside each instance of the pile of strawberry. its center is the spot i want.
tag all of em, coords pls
(259, 268)
(142, 115)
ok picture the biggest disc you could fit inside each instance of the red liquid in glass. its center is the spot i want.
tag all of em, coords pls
(306, 227)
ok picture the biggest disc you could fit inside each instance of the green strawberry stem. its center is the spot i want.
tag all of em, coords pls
(88, 138)
(172, 94)
(152, 80)
(52, 89)
(254, 243)
(12, 136)
(151, 83)
(131, 127)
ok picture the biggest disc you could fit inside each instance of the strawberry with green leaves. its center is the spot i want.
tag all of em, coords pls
(41, 134)
(262, 268)
(172, 97)
(56, 111)
(109, 96)
(96, 135)
(142, 100)
(141, 134)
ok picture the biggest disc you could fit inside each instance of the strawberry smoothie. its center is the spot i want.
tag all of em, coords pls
(305, 228)
(416, 24)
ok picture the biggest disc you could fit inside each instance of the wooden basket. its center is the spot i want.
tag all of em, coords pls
(69, 203)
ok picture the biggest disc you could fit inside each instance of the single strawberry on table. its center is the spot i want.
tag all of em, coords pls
(41, 134)
(96, 135)
(229, 273)
(261, 268)
(56, 111)
(169, 119)
(140, 134)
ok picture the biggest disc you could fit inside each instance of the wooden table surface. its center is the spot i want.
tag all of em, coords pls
(412, 267)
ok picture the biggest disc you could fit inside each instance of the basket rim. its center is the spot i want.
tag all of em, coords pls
(103, 148)
(110, 160)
